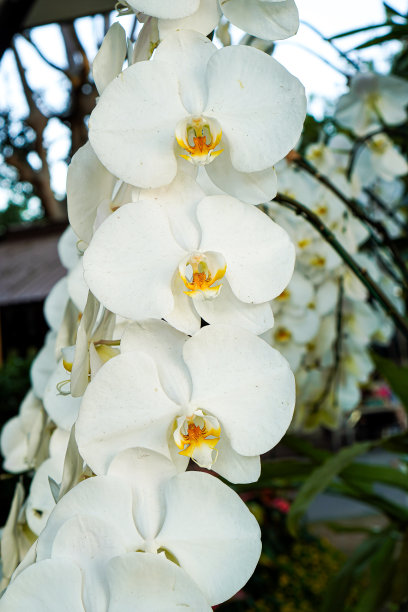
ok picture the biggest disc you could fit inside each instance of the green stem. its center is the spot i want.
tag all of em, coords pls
(374, 289)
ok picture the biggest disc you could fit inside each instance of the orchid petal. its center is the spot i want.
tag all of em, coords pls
(259, 254)
(143, 581)
(136, 144)
(253, 397)
(133, 277)
(211, 533)
(258, 103)
(124, 406)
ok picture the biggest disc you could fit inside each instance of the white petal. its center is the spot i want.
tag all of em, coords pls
(88, 184)
(109, 60)
(77, 288)
(62, 409)
(184, 315)
(106, 499)
(45, 587)
(128, 130)
(204, 20)
(14, 446)
(165, 10)
(40, 501)
(67, 248)
(212, 534)
(234, 467)
(43, 365)
(179, 201)
(253, 398)
(89, 542)
(250, 187)
(124, 406)
(258, 103)
(226, 308)
(259, 254)
(187, 53)
(139, 582)
(55, 303)
(131, 260)
(165, 346)
(145, 472)
(268, 20)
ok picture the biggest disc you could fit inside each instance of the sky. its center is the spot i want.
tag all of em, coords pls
(298, 54)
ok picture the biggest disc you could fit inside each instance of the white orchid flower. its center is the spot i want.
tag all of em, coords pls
(222, 398)
(134, 582)
(268, 19)
(379, 159)
(225, 272)
(372, 100)
(21, 435)
(109, 60)
(291, 334)
(142, 504)
(43, 365)
(233, 110)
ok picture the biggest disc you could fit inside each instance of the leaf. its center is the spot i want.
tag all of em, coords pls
(303, 447)
(396, 33)
(364, 494)
(320, 479)
(392, 11)
(335, 598)
(395, 375)
(363, 29)
(381, 572)
(362, 472)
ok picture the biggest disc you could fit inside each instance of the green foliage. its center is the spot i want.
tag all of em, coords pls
(14, 383)
(319, 480)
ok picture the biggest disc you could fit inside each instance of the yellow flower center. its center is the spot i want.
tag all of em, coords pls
(197, 436)
(199, 137)
(201, 273)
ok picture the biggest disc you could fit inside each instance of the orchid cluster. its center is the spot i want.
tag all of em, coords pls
(325, 320)
(154, 361)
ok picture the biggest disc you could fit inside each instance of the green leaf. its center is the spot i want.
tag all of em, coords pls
(339, 587)
(369, 473)
(302, 447)
(392, 11)
(363, 29)
(320, 479)
(381, 572)
(364, 494)
(396, 33)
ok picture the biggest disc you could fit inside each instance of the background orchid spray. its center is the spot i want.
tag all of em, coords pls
(182, 145)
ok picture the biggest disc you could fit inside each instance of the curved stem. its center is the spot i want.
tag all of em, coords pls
(358, 211)
(375, 290)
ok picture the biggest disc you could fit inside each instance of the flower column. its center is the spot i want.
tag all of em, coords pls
(174, 141)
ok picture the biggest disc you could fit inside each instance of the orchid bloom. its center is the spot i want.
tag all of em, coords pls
(233, 262)
(268, 19)
(201, 398)
(235, 111)
(143, 505)
(372, 100)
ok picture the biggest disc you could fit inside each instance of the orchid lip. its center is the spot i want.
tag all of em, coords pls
(201, 273)
(199, 137)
